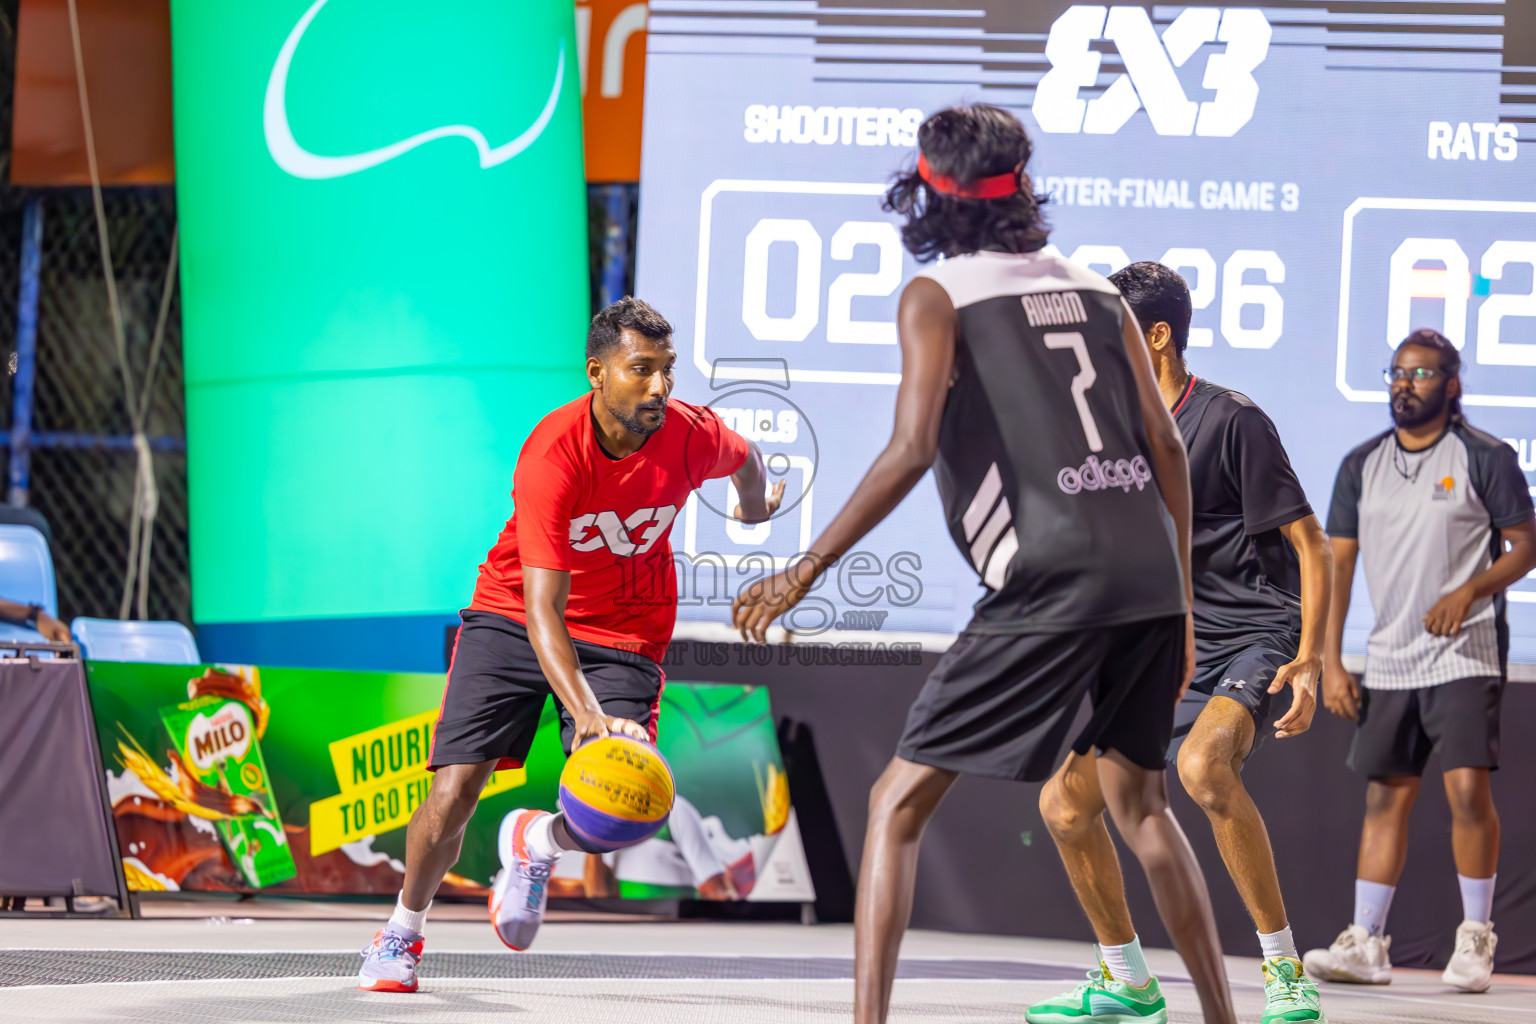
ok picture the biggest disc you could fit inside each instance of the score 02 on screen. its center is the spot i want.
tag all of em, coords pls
(821, 272)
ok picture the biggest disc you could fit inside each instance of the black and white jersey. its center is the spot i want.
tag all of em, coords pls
(1246, 574)
(1043, 465)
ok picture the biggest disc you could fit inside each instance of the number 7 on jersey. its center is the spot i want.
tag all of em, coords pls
(1086, 375)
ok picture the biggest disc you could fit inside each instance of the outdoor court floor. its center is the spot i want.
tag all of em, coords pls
(196, 969)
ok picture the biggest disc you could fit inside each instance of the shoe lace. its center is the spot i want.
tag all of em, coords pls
(1282, 985)
(1479, 943)
(537, 874)
(1351, 943)
(1097, 979)
(535, 869)
(388, 945)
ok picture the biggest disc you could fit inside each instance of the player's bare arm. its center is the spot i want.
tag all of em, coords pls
(546, 591)
(927, 323)
(1306, 536)
(1170, 465)
(1341, 694)
(1518, 559)
(758, 501)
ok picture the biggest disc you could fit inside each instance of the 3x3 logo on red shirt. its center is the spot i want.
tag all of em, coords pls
(635, 534)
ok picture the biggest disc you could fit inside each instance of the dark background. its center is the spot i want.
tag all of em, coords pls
(988, 864)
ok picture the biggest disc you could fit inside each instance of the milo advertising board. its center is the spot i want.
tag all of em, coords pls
(214, 742)
(235, 778)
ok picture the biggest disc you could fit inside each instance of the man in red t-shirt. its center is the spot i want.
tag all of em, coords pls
(578, 598)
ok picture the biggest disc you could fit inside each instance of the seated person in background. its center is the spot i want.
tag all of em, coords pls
(21, 614)
(33, 617)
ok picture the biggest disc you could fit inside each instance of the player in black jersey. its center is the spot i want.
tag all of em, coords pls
(1261, 569)
(1027, 388)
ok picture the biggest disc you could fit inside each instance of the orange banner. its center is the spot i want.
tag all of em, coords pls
(128, 72)
(611, 35)
(127, 49)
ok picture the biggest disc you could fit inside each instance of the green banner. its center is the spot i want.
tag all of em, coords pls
(384, 287)
(237, 778)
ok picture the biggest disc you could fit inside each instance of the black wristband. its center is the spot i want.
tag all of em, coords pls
(33, 611)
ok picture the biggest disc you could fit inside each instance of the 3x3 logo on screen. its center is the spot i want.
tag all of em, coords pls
(1151, 80)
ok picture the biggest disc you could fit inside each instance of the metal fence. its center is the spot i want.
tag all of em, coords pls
(76, 461)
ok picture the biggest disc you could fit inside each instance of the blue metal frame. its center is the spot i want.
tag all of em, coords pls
(616, 242)
(25, 371)
(105, 442)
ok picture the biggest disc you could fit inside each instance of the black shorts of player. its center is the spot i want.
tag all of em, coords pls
(1398, 729)
(496, 692)
(1002, 705)
(1243, 677)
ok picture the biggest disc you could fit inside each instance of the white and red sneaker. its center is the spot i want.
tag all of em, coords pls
(521, 889)
(389, 962)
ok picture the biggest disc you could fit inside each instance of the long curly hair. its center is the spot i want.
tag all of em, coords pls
(968, 143)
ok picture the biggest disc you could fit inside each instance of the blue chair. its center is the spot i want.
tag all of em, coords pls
(26, 576)
(160, 643)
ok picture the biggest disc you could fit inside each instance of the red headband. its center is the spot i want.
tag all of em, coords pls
(998, 186)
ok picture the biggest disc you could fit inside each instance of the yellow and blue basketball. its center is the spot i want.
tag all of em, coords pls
(615, 792)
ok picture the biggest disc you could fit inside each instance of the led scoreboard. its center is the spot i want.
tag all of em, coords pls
(1326, 181)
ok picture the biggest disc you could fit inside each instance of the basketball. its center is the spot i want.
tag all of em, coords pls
(615, 792)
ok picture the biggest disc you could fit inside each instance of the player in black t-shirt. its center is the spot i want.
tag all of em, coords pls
(1261, 570)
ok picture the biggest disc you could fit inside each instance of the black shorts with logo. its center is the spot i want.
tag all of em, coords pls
(1003, 704)
(496, 692)
(1398, 729)
(1243, 676)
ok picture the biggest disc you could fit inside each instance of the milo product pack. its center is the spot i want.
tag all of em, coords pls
(215, 740)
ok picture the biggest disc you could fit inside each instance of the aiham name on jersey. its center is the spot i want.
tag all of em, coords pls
(1101, 474)
(599, 529)
(1051, 309)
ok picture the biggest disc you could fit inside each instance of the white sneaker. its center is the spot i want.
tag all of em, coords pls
(521, 889)
(1356, 956)
(1471, 966)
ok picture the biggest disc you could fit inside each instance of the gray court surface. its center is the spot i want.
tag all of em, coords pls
(193, 970)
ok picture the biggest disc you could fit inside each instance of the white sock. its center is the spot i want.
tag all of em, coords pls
(1126, 963)
(1278, 943)
(1372, 901)
(405, 919)
(1477, 898)
(540, 837)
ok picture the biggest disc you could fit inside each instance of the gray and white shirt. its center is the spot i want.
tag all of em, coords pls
(1427, 522)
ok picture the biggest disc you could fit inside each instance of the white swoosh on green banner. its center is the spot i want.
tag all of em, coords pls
(301, 163)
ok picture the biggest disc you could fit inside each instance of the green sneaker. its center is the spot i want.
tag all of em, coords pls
(1289, 995)
(1102, 1000)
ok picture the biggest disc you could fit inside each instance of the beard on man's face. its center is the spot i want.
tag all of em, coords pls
(1411, 410)
(644, 419)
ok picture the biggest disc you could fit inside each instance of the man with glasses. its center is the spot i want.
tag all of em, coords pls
(1443, 517)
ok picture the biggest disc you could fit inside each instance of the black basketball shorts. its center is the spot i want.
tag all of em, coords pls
(1003, 705)
(1243, 676)
(496, 692)
(1398, 729)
